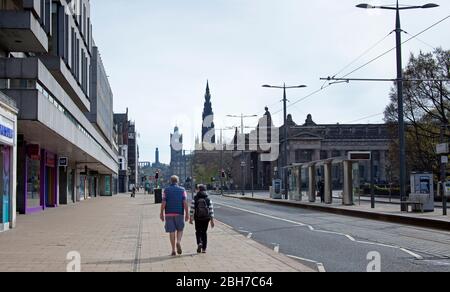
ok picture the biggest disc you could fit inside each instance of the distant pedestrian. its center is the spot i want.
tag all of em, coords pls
(202, 212)
(175, 212)
(321, 187)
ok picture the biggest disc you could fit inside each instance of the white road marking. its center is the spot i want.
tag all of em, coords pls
(437, 263)
(416, 256)
(350, 238)
(320, 266)
(303, 259)
(263, 215)
(411, 253)
(378, 244)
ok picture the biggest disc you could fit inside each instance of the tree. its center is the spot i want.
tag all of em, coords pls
(427, 107)
(207, 165)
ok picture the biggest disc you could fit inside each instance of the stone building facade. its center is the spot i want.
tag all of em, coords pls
(310, 142)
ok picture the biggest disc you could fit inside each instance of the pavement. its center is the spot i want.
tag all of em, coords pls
(336, 243)
(121, 234)
(383, 211)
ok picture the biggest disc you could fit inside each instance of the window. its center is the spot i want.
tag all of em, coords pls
(362, 173)
(66, 38)
(336, 153)
(22, 84)
(84, 22)
(373, 132)
(77, 59)
(302, 156)
(73, 49)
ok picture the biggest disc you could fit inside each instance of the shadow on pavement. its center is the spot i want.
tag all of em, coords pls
(145, 261)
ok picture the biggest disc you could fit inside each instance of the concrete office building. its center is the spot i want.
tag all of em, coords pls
(102, 117)
(46, 68)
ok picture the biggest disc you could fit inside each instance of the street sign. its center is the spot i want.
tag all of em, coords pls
(243, 164)
(442, 148)
(63, 162)
(444, 159)
(360, 155)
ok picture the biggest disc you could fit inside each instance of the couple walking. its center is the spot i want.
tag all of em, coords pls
(175, 212)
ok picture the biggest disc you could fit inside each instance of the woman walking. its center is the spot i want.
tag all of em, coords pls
(202, 212)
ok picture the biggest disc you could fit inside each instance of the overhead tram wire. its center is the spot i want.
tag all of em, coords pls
(324, 86)
(366, 64)
(422, 41)
(304, 98)
(363, 54)
(404, 42)
(367, 117)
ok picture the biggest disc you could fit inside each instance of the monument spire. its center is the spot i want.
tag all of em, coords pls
(208, 116)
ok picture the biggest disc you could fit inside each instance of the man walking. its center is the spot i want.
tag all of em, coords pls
(175, 212)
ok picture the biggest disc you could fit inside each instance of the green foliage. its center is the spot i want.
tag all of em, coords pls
(427, 107)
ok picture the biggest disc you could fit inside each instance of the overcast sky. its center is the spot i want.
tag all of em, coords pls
(159, 54)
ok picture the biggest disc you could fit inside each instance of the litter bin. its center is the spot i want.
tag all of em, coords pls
(158, 196)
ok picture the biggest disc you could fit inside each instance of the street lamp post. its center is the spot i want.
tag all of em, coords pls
(401, 122)
(252, 167)
(243, 164)
(285, 154)
(185, 167)
(444, 127)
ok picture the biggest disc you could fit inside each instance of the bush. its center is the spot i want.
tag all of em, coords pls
(381, 190)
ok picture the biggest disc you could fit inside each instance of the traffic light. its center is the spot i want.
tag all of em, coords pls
(223, 174)
(157, 175)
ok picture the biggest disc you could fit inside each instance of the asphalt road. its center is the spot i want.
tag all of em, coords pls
(335, 243)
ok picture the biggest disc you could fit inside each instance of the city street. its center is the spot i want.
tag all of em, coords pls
(341, 134)
(336, 243)
(121, 234)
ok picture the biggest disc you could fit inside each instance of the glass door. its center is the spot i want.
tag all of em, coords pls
(5, 183)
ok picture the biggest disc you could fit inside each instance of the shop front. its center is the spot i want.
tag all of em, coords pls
(39, 187)
(106, 187)
(8, 126)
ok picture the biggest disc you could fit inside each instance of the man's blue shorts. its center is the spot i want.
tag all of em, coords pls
(175, 223)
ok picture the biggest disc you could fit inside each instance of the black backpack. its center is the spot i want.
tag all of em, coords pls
(202, 210)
